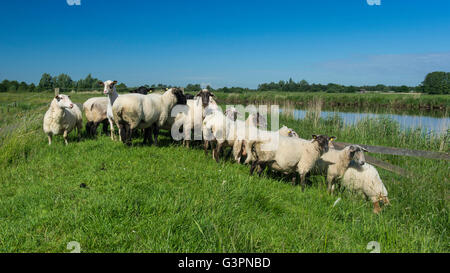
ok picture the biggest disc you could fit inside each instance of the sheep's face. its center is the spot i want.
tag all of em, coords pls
(108, 86)
(231, 113)
(205, 95)
(292, 133)
(179, 95)
(63, 101)
(357, 154)
(258, 120)
(323, 141)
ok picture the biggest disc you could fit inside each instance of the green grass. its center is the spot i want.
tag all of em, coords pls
(174, 199)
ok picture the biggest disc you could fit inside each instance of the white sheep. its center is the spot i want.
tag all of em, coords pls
(145, 111)
(95, 110)
(365, 180)
(335, 162)
(215, 126)
(229, 132)
(289, 155)
(62, 117)
(263, 134)
(110, 90)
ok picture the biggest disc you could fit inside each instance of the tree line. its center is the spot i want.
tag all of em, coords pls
(48, 83)
(434, 83)
(437, 82)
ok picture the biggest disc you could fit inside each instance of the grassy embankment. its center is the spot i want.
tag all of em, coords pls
(173, 199)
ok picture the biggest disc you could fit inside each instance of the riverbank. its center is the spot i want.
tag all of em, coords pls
(415, 102)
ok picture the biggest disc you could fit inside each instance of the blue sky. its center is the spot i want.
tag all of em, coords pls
(226, 43)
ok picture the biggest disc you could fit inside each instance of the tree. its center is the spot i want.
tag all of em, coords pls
(23, 87)
(63, 81)
(46, 82)
(437, 82)
(192, 88)
(121, 87)
(4, 86)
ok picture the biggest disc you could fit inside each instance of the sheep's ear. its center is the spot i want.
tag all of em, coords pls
(333, 138)
(198, 94)
(100, 83)
(364, 149)
(352, 148)
(57, 97)
(114, 83)
(314, 136)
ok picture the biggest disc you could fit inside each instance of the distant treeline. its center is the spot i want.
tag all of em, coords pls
(434, 83)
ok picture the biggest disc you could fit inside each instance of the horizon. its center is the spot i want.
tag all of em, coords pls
(226, 44)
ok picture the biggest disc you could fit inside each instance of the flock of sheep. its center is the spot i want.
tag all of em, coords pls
(281, 151)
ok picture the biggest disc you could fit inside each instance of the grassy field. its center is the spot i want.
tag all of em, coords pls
(174, 199)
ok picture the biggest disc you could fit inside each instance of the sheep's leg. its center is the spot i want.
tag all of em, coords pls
(105, 127)
(123, 135)
(155, 134)
(218, 149)
(302, 180)
(49, 136)
(294, 179)
(253, 166)
(65, 137)
(261, 168)
(94, 129)
(88, 128)
(330, 187)
(376, 207)
(205, 147)
(229, 153)
(111, 127)
(148, 135)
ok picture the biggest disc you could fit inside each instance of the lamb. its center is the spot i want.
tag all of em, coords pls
(365, 179)
(289, 155)
(95, 110)
(62, 117)
(335, 162)
(148, 112)
(110, 90)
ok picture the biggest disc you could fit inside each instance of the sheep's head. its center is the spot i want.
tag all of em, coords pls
(231, 113)
(63, 101)
(179, 95)
(258, 120)
(108, 86)
(323, 141)
(292, 133)
(205, 95)
(357, 154)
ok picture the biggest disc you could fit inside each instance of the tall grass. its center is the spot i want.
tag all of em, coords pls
(430, 104)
